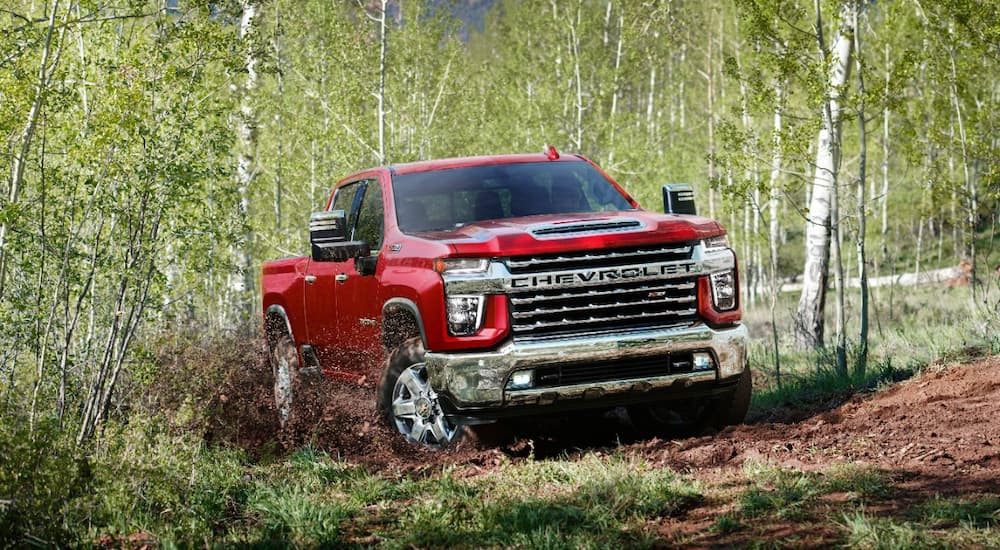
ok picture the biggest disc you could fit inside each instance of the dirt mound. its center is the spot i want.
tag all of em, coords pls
(941, 423)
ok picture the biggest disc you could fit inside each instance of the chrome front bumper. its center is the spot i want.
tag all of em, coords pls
(477, 381)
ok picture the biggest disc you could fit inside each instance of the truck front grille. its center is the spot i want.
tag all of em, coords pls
(603, 307)
(625, 369)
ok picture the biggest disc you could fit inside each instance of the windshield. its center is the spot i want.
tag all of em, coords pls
(446, 199)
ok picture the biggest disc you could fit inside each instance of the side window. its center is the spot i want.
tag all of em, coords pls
(370, 216)
(346, 199)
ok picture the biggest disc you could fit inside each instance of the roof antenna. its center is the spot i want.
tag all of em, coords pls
(551, 153)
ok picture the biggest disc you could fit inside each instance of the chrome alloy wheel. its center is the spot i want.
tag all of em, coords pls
(416, 411)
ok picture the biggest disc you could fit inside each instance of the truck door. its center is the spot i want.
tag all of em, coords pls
(358, 298)
(321, 288)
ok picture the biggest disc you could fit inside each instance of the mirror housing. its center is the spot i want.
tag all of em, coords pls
(678, 198)
(340, 251)
(328, 237)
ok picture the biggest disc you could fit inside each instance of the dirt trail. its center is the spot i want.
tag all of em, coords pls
(941, 425)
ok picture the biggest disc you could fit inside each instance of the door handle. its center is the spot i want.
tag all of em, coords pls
(341, 277)
(310, 279)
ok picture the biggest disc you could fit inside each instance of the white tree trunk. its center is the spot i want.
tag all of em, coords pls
(774, 229)
(885, 160)
(246, 171)
(809, 316)
(383, 45)
(862, 222)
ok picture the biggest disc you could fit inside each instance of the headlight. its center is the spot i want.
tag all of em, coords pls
(465, 314)
(724, 290)
(457, 266)
(718, 242)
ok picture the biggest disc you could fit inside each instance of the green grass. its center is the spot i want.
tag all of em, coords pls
(866, 531)
(788, 494)
(930, 324)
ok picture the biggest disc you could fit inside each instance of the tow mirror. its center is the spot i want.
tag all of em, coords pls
(678, 198)
(328, 237)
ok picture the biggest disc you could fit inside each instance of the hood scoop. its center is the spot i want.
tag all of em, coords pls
(585, 227)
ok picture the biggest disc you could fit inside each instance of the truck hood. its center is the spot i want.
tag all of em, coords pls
(567, 232)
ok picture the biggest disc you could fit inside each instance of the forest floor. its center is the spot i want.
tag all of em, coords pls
(917, 458)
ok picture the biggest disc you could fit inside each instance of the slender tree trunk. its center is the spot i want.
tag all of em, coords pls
(710, 79)
(383, 47)
(885, 163)
(279, 161)
(836, 255)
(615, 90)
(862, 359)
(751, 217)
(246, 169)
(681, 82)
(577, 80)
(809, 315)
(774, 233)
(970, 186)
(650, 129)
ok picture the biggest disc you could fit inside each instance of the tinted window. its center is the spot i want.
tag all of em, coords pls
(344, 200)
(446, 199)
(369, 226)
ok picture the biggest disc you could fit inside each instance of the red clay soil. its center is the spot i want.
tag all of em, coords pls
(942, 426)
(943, 423)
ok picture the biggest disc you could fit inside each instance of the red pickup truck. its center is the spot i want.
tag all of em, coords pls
(481, 289)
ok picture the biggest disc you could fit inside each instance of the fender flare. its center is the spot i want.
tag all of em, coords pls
(409, 306)
(272, 310)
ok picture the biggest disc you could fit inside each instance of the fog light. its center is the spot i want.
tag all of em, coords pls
(521, 380)
(465, 314)
(702, 361)
(724, 290)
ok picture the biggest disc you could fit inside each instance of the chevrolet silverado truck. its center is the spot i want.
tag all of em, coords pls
(476, 290)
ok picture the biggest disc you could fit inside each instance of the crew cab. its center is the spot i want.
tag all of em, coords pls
(481, 289)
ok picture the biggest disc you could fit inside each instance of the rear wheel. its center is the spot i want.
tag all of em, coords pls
(408, 401)
(284, 368)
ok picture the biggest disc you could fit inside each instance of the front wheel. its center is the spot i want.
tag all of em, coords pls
(671, 419)
(733, 409)
(409, 402)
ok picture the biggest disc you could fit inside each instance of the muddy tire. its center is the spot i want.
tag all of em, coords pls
(731, 409)
(497, 434)
(284, 361)
(407, 401)
(686, 417)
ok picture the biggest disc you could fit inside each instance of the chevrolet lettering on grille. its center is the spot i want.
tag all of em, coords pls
(604, 275)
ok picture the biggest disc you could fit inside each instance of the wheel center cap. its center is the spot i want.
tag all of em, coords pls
(424, 408)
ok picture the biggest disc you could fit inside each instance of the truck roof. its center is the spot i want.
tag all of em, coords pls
(464, 162)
